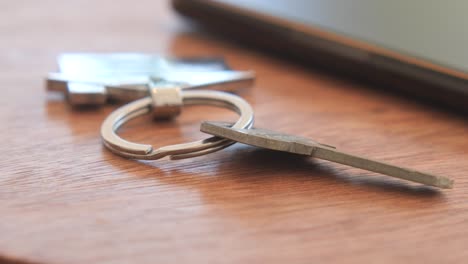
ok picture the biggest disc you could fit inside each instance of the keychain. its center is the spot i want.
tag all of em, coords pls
(163, 93)
(151, 84)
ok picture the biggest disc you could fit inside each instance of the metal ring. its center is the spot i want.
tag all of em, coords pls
(143, 106)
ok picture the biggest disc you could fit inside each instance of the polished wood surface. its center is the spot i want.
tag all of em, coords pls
(66, 199)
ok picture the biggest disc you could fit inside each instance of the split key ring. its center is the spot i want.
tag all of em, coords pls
(165, 101)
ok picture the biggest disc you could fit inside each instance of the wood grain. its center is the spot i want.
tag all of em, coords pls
(66, 199)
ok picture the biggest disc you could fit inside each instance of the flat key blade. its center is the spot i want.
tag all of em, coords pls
(282, 142)
(382, 167)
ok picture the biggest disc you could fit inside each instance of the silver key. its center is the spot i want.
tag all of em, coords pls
(98, 90)
(94, 79)
(299, 145)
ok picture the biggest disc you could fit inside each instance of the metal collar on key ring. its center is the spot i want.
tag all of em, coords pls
(166, 102)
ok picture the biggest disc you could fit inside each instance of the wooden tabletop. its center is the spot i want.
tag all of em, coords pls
(66, 199)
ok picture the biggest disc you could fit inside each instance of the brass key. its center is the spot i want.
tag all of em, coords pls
(299, 145)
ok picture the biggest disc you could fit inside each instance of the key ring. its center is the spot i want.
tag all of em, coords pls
(166, 101)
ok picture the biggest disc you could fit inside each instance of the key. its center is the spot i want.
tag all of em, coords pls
(94, 79)
(282, 142)
(97, 90)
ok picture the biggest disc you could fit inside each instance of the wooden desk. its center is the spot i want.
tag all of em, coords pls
(66, 199)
